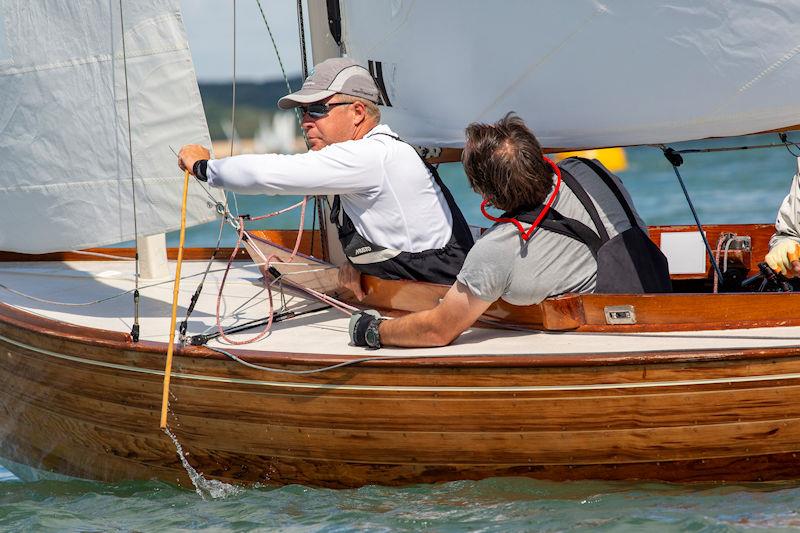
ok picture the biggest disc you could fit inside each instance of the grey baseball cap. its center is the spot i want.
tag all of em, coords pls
(336, 75)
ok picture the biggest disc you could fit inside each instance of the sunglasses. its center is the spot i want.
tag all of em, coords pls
(320, 110)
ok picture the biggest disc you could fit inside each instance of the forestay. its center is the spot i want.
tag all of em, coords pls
(582, 73)
(65, 173)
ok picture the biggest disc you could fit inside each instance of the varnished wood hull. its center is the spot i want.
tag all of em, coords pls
(86, 403)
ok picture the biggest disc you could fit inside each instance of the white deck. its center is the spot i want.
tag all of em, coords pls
(245, 298)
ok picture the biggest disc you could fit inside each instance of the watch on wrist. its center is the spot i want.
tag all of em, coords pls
(373, 334)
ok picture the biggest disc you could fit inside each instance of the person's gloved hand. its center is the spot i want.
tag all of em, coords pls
(784, 258)
(359, 324)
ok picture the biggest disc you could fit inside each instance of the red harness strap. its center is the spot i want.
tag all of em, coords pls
(527, 234)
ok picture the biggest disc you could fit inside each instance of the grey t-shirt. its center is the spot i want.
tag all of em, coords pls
(502, 265)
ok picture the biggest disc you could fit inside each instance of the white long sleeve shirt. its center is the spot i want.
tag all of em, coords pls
(787, 223)
(383, 184)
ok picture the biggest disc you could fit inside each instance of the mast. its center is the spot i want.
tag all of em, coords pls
(324, 24)
(324, 21)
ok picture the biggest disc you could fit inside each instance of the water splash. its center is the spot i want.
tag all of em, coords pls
(215, 489)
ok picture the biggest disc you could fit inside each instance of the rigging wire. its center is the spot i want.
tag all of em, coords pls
(788, 144)
(196, 296)
(135, 327)
(297, 114)
(318, 205)
(239, 225)
(721, 148)
(221, 209)
(113, 296)
(676, 160)
(302, 30)
(233, 106)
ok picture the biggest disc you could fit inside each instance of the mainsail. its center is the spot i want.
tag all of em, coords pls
(65, 171)
(582, 73)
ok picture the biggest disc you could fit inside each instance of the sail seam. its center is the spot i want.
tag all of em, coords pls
(776, 65)
(103, 58)
(76, 184)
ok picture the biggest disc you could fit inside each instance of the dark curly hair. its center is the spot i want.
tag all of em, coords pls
(504, 163)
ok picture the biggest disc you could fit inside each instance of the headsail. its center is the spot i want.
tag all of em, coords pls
(65, 178)
(583, 73)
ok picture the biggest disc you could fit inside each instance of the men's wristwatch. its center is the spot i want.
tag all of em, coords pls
(363, 328)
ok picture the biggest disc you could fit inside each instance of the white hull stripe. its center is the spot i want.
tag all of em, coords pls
(521, 388)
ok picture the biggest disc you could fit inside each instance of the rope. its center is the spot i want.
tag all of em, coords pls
(722, 238)
(302, 372)
(269, 288)
(174, 317)
(267, 262)
(135, 328)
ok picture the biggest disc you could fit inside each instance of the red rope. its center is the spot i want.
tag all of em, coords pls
(526, 234)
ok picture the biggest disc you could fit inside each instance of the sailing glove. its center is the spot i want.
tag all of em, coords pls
(781, 255)
(363, 328)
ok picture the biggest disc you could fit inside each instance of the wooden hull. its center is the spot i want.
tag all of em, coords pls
(86, 403)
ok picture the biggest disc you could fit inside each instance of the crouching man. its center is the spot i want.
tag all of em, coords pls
(567, 228)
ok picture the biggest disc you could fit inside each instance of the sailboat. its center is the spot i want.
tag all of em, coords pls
(688, 386)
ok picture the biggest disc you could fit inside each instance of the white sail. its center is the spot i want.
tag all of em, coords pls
(65, 173)
(582, 73)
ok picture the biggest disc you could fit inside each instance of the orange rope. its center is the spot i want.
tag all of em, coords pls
(173, 320)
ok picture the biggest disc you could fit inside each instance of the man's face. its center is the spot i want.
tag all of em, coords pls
(338, 125)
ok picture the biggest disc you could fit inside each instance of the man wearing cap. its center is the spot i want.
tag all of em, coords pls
(395, 218)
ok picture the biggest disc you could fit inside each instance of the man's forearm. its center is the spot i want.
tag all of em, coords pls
(417, 330)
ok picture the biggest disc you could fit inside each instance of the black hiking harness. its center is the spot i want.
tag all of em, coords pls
(628, 263)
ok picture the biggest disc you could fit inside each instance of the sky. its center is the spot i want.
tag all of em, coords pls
(209, 25)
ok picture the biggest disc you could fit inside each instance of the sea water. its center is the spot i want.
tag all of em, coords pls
(730, 187)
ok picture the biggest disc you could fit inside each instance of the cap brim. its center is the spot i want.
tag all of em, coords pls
(303, 96)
